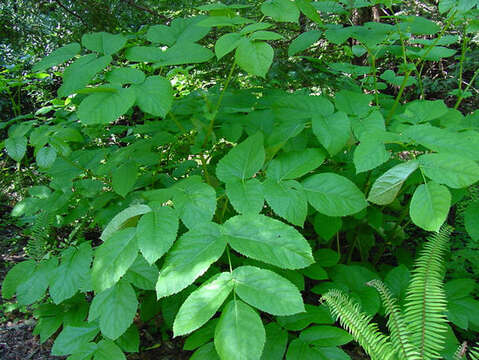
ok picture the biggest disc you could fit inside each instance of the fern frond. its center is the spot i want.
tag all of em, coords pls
(460, 351)
(396, 324)
(474, 353)
(359, 325)
(426, 303)
(39, 233)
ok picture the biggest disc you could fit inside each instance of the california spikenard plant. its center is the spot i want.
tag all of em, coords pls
(417, 329)
(207, 207)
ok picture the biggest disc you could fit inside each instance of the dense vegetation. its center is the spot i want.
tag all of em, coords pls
(242, 179)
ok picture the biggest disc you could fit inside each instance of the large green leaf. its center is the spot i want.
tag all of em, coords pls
(387, 186)
(180, 30)
(141, 274)
(430, 205)
(240, 333)
(325, 336)
(79, 74)
(115, 308)
(246, 196)
(287, 199)
(154, 95)
(261, 288)
(268, 240)
(57, 57)
(254, 57)
(464, 144)
(202, 304)
(46, 156)
(72, 338)
(292, 165)
(108, 350)
(106, 107)
(190, 257)
(125, 75)
(206, 352)
(33, 288)
(243, 161)
(276, 341)
(353, 103)
(313, 315)
(471, 216)
(18, 274)
(16, 147)
(123, 216)
(303, 41)
(124, 178)
(201, 336)
(369, 154)
(184, 53)
(156, 232)
(226, 44)
(281, 10)
(195, 201)
(333, 131)
(334, 195)
(113, 258)
(73, 271)
(449, 169)
(103, 42)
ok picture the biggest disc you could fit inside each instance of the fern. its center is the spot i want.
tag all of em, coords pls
(426, 303)
(474, 353)
(359, 325)
(37, 245)
(400, 335)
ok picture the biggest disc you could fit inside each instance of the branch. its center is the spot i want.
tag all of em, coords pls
(144, 8)
(70, 12)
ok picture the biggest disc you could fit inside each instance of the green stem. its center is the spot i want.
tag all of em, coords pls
(461, 96)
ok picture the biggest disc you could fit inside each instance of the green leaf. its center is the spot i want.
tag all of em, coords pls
(194, 201)
(246, 196)
(46, 156)
(313, 315)
(123, 216)
(106, 107)
(326, 257)
(18, 274)
(281, 10)
(471, 214)
(325, 336)
(125, 75)
(144, 54)
(309, 10)
(369, 154)
(156, 231)
(276, 341)
(265, 35)
(333, 131)
(73, 271)
(201, 336)
(181, 30)
(154, 96)
(79, 74)
(268, 240)
(113, 258)
(459, 288)
(57, 57)
(464, 144)
(183, 53)
(287, 199)
(16, 147)
(326, 226)
(84, 352)
(202, 304)
(420, 111)
(243, 161)
(353, 103)
(226, 44)
(303, 41)
(141, 274)
(387, 186)
(261, 288)
(34, 287)
(418, 25)
(50, 318)
(103, 42)
(115, 308)
(449, 169)
(292, 165)
(190, 257)
(72, 338)
(206, 352)
(254, 57)
(334, 195)
(130, 340)
(430, 206)
(124, 178)
(240, 333)
(108, 350)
